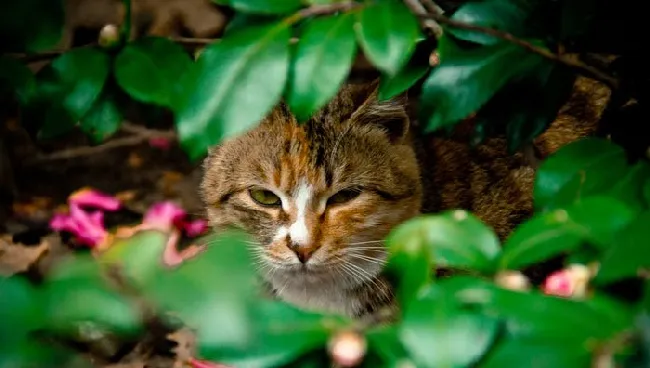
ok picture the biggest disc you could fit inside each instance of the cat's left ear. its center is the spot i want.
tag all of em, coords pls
(389, 115)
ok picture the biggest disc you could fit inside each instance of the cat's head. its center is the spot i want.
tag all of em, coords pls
(318, 197)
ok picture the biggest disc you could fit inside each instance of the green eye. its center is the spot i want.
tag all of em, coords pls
(264, 197)
(343, 196)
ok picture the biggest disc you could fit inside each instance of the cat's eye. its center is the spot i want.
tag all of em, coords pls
(343, 196)
(265, 197)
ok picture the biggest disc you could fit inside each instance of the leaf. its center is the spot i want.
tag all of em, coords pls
(80, 294)
(385, 341)
(149, 69)
(629, 189)
(139, 257)
(595, 220)
(387, 32)
(629, 254)
(390, 87)
(409, 264)
(320, 64)
(17, 78)
(68, 89)
(264, 6)
(20, 311)
(281, 334)
(248, 69)
(466, 79)
(455, 239)
(439, 335)
(517, 352)
(22, 29)
(211, 293)
(505, 15)
(103, 119)
(532, 314)
(584, 167)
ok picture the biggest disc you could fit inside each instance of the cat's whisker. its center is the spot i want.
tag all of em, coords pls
(366, 242)
(368, 259)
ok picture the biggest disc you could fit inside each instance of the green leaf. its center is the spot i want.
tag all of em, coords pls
(390, 87)
(281, 334)
(409, 265)
(17, 79)
(506, 15)
(595, 220)
(585, 167)
(31, 25)
(249, 68)
(68, 89)
(320, 63)
(466, 79)
(629, 254)
(149, 69)
(438, 334)
(20, 311)
(630, 188)
(265, 6)
(211, 293)
(139, 258)
(103, 119)
(455, 239)
(517, 352)
(385, 341)
(387, 32)
(80, 294)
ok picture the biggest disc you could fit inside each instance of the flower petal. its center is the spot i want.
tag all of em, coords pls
(195, 228)
(160, 142)
(164, 215)
(89, 229)
(88, 197)
(172, 257)
(196, 363)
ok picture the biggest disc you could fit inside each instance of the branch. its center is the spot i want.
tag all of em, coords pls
(418, 9)
(138, 135)
(573, 63)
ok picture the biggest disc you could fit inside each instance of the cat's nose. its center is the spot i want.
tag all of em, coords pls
(303, 253)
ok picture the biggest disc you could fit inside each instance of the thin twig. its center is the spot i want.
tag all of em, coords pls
(573, 63)
(137, 136)
(418, 9)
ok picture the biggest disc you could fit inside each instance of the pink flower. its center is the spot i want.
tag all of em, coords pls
(570, 282)
(164, 216)
(88, 197)
(87, 228)
(195, 228)
(160, 142)
(196, 363)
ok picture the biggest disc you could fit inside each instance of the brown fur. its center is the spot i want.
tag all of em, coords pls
(371, 148)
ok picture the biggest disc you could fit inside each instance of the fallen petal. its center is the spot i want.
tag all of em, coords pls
(195, 228)
(160, 142)
(88, 197)
(164, 215)
(88, 229)
(172, 257)
(196, 363)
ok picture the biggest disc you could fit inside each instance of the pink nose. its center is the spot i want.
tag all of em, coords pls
(303, 253)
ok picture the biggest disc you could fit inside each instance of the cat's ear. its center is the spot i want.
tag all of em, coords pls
(389, 115)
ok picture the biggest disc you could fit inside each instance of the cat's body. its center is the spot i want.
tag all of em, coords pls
(319, 197)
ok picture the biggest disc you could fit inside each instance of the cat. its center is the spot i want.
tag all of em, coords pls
(320, 196)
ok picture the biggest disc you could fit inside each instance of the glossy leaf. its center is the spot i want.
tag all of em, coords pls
(454, 238)
(437, 334)
(68, 89)
(409, 266)
(320, 63)
(585, 167)
(517, 352)
(506, 15)
(385, 342)
(387, 32)
(630, 188)
(211, 293)
(31, 25)
(281, 334)
(20, 311)
(149, 69)
(629, 254)
(594, 220)
(79, 293)
(17, 79)
(265, 6)
(139, 258)
(248, 68)
(466, 79)
(104, 118)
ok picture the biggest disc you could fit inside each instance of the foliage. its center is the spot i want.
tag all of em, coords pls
(592, 198)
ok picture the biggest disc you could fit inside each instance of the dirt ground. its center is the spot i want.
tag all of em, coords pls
(140, 175)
